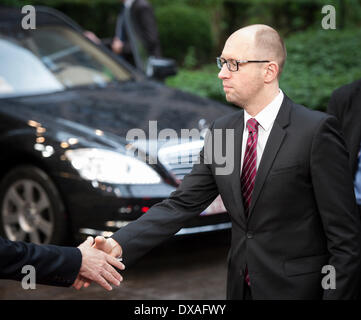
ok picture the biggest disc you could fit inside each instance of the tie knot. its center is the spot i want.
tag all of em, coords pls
(252, 125)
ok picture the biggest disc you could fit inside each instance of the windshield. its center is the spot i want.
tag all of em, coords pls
(51, 59)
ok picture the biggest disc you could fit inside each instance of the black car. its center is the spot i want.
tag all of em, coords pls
(66, 107)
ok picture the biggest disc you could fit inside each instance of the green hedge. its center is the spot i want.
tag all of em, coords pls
(202, 82)
(227, 15)
(318, 62)
(184, 32)
(202, 25)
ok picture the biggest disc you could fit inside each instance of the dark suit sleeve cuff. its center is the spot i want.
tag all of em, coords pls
(68, 270)
(75, 255)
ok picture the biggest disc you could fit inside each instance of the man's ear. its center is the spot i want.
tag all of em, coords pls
(271, 71)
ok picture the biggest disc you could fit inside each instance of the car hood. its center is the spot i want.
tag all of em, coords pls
(118, 108)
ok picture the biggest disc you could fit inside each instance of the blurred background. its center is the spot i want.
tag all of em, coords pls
(193, 32)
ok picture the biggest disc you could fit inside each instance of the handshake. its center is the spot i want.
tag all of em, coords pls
(99, 257)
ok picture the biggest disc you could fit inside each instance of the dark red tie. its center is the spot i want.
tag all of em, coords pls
(249, 170)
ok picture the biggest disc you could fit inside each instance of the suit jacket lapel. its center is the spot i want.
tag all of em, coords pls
(273, 144)
(236, 176)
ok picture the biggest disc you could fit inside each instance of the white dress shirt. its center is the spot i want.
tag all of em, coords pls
(266, 119)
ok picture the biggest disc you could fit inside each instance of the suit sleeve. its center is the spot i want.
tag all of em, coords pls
(193, 196)
(333, 188)
(54, 265)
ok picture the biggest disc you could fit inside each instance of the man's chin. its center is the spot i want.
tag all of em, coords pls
(235, 102)
(230, 98)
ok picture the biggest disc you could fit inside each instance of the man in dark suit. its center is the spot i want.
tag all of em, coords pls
(58, 266)
(345, 105)
(136, 20)
(289, 192)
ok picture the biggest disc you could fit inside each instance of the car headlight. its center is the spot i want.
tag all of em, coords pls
(111, 167)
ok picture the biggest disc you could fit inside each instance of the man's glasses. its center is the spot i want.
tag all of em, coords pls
(232, 64)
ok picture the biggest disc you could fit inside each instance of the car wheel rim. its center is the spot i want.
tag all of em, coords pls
(27, 213)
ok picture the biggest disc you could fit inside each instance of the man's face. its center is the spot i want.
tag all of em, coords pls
(242, 86)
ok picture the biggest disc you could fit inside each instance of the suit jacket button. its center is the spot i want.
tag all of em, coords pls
(249, 235)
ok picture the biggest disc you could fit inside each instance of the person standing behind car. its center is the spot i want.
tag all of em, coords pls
(145, 27)
(345, 105)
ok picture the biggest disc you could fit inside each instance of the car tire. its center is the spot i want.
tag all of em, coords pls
(31, 208)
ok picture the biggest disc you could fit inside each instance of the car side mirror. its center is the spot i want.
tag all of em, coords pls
(161, 68)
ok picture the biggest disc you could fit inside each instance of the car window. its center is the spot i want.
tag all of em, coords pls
(19, 68)
(50, 59)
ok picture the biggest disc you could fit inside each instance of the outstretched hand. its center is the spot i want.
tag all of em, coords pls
(109, 247)
(97, 263)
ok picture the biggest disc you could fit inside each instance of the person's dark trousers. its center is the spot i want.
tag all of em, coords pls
(247, 293)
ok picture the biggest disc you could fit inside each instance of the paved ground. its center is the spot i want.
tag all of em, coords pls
(187, 268)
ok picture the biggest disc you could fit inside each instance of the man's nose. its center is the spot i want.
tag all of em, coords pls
(224, 73)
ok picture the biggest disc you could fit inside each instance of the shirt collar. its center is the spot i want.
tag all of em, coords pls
(268, 115)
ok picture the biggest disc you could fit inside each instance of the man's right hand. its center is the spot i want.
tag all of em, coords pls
(109, 246)
(97, 264)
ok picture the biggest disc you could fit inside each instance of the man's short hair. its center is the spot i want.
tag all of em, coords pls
(270, 45)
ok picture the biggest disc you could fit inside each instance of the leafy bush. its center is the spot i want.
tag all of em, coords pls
(202, 82)
(182, 27)
(288, 16)
(318, 62)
